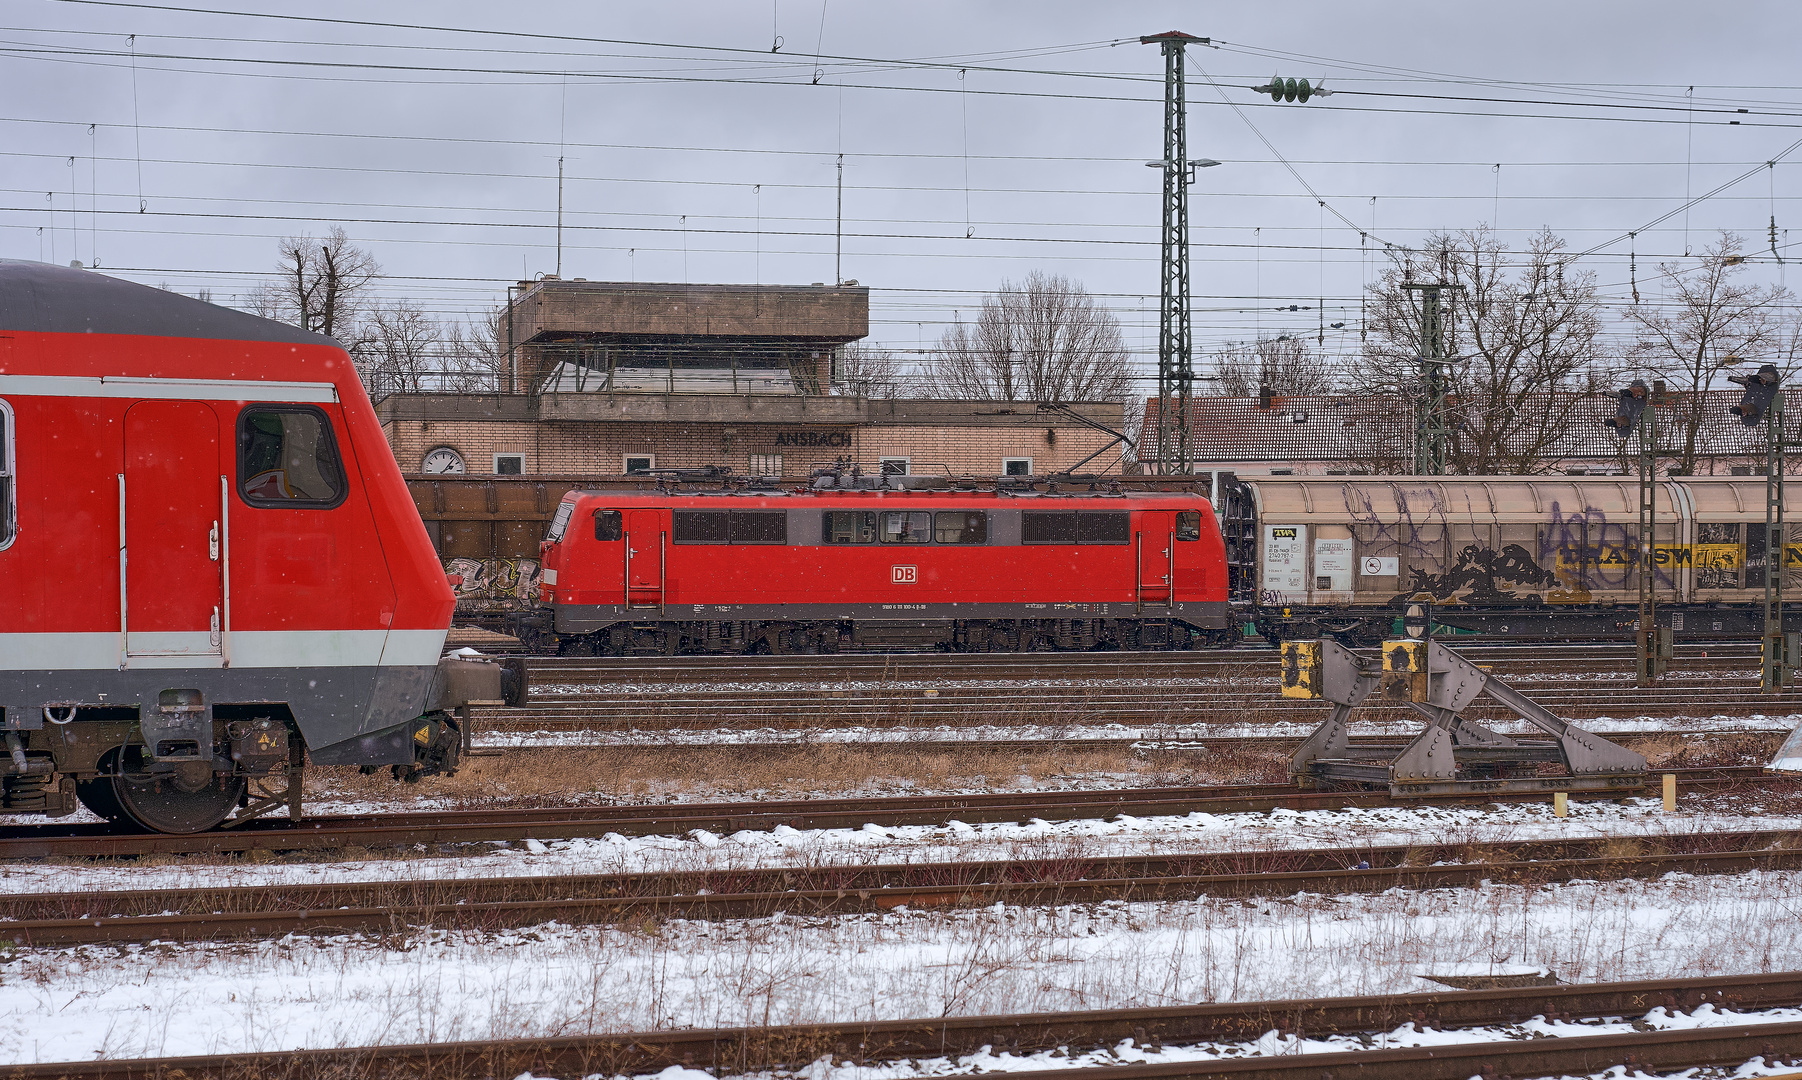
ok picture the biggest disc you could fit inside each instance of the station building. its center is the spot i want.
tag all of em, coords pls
(615, 379)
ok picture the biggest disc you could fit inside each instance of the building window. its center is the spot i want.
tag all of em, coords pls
(766, 464)
(894, 466)
(9, 514)
(509, 464)
(287, 457)
(1016, 466)
(639, 464)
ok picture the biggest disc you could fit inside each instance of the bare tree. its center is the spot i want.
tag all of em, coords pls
(1709, 321)
(867, 371)
(1287, 365)
(1525, 334)
(1045, 339)
(319, 284)
(403, 351)
(475, 354)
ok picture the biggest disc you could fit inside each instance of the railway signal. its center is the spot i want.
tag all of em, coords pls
(1281, 89)
(1632, 406)
(1761, 390)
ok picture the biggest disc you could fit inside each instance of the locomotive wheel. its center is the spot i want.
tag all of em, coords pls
(97, 796)
(162, 805)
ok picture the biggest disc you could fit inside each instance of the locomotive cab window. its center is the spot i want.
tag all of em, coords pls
(608, 526)
(850, 526)
(960, 527)
(560, 522)
(288, 457)
(1188, 525)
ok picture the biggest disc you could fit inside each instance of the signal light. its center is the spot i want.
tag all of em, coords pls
(1761, 390)
(1627, 413)
(1281, 89)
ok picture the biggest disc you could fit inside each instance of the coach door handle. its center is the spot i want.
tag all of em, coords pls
(212, 543)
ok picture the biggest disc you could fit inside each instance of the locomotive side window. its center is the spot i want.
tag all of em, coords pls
(905, 527)
(759, 527)
(700, 527)
(1188, 525)
(1048, 527)
(960, 526)
(1110, 528)
(608, 526)
(287, 457)
(9, 518)
(850, 526)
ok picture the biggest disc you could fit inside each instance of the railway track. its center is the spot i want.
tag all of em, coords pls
(465, 827)
(669, 708)
(936, 667)
(1156, 740)
(727, 1051)
(490, 904)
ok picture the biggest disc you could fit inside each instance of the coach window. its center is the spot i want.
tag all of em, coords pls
(9, 517)
(850, 526)
(905, 527)
(960, 527)
(608, 526)
(287, 457)
(759, 527)
(699, 527)
(1188, 525)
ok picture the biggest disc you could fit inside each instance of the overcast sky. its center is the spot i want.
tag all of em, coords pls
(980, 142)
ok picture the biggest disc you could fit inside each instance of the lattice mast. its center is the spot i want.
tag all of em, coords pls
(1432, 429)
(1176, 367)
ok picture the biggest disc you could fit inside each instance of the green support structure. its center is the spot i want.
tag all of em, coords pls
(1654, 643)
(1176, 367)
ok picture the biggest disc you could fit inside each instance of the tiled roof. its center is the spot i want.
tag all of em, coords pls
(1362, 428)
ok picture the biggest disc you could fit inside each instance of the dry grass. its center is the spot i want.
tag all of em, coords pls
(603, 774)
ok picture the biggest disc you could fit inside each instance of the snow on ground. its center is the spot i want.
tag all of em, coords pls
(954, 841)
(425, 985)
(1151, 734)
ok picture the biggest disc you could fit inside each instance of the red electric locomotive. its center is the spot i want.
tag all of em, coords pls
(821, 570)
(210, 563)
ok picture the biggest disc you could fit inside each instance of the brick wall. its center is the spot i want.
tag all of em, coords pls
(578, 448)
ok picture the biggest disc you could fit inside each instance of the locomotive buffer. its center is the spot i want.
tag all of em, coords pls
(1453, 755)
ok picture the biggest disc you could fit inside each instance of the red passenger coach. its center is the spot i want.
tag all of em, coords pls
(210, 562)
(823, 569)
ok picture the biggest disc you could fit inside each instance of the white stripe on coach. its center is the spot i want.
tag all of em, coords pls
(131, 386)
(249, 649)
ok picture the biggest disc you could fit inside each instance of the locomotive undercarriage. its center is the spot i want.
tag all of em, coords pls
(807, 638)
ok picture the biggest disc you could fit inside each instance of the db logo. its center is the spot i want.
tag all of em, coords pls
(905, 575)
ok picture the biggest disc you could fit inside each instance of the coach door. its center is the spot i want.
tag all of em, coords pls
(647, 541)
(1156, 552)
(171, 533)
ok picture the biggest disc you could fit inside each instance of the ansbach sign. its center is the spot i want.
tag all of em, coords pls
(813, 438)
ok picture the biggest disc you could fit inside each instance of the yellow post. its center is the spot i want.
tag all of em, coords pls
(1561, 803)
(1670, 793)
